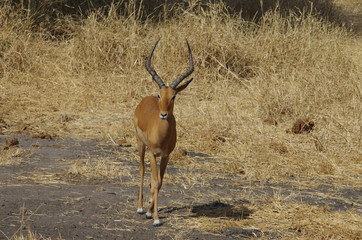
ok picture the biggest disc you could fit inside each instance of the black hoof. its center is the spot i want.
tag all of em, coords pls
(157, 223)
(140, 211)
(148, 216)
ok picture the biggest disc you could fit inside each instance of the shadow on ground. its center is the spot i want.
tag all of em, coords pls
(219, 209)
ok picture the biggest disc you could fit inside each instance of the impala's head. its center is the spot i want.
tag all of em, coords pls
(167, 94)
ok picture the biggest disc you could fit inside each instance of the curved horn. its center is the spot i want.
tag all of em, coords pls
(153, 73)
(186, 74)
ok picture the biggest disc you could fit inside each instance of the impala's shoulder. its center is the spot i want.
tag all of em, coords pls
(149, 100)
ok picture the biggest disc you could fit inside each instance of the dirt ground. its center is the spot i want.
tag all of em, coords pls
(42, 194)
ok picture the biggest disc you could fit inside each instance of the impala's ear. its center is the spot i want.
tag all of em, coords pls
(183, 86)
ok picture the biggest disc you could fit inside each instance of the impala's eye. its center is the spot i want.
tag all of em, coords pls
(158, 96)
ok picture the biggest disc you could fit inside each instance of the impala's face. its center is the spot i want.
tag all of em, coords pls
(166, 99)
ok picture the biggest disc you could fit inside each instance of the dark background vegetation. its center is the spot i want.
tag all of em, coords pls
(160, 9)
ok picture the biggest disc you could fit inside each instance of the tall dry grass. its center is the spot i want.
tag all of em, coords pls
(88, 83)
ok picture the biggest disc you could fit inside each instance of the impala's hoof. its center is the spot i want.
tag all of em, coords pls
(156, 223)
(148, 215)
(140, 211)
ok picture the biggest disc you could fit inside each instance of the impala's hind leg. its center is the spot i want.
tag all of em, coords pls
(141, 150)
(163, 165)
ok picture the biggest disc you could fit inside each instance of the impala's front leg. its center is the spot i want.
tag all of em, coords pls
(141, 151)
(163, 165)
(153, 207)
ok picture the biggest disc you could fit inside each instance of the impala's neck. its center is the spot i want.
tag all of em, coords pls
(166, 99)
(164, 125)
(162, 133)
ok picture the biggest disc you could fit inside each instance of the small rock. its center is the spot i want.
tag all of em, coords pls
(271, 121)
(301, 126)
(10, 143)
(43, 136)
(123, 143)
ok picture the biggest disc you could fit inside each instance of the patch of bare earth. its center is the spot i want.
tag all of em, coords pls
(59, 192)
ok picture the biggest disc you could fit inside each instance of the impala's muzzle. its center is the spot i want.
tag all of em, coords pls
(163, 116)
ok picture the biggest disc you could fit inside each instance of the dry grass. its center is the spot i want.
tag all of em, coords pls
(99, 168)
(283, 68)
(24, 224)
(29, 236)
(10, 153)
(11, 156)
(290, 221)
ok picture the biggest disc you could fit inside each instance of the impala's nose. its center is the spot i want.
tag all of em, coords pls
(163, 115)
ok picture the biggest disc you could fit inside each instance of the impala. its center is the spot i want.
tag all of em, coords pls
(156, 130)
